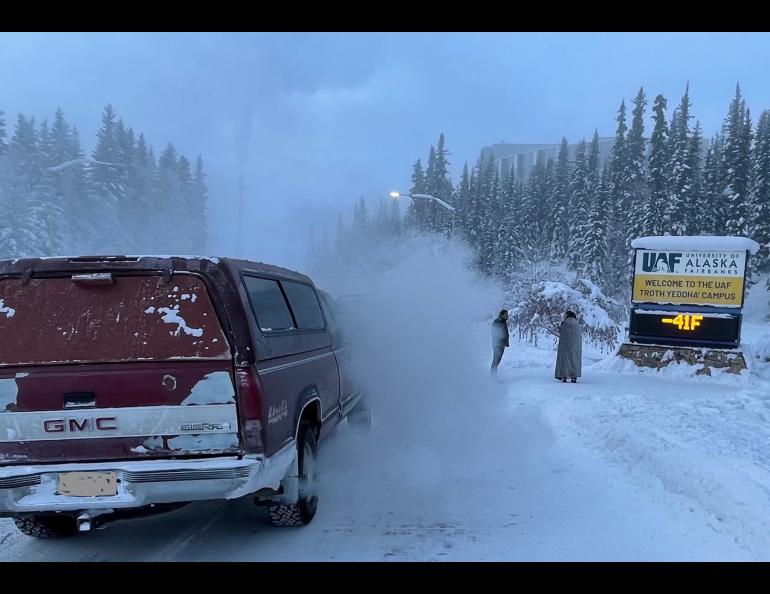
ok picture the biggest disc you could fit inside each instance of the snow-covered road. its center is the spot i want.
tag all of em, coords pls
(625, 466)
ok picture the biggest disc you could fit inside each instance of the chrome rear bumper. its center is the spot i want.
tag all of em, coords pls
(31, 489)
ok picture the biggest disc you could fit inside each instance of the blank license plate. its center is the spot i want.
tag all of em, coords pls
(88, 484)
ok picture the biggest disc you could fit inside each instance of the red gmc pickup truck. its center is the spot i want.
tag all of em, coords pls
(134, 385)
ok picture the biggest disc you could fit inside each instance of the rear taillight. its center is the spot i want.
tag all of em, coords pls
(250, 401)
(252, 436)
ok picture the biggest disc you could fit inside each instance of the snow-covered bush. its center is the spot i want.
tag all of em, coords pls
(541, 312)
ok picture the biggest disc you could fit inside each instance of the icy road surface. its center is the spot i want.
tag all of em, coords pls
(624, 466)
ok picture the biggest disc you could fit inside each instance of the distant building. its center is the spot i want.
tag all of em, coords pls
(521, 158)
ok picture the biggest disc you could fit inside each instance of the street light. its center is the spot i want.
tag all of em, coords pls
(83, 161)
(396, 195)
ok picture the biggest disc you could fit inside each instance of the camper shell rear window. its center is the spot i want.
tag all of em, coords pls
(85, 318)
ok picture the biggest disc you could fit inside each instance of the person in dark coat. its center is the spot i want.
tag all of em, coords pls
(499, 339)
(569, 359)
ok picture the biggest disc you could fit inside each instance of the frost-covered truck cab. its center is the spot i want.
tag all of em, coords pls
(132, 385)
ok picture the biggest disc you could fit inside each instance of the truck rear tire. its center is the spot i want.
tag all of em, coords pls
(46, 526)
(303, 511)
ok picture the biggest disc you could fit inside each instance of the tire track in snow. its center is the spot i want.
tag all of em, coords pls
(170, 551)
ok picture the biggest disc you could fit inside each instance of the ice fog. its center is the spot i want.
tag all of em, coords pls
(418, 337)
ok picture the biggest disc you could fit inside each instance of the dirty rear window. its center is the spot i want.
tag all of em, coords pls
(59, 320)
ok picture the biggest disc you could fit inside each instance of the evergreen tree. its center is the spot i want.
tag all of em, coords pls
(579, 206)
(380, 221)
(695, 209)
(636, 177)
(3, 145)
(361, 216)
(595, 233)
(736, 166)
(440, 186)
(593, 214)
(187, 240)
(461, 200)
(172, 232)
(199, 201)
(655, 213)
(490, 216)
(681, 200)
(4, 182)
(618, 203)
(560, 201)
(535, 220)
(512, 228)
(759, 194)
(53, 145)
(620, 193)
(395, 219)
(25, 196)
(474, 206)
(415, 213)
(712, 214)
(106, 189)
(342, 245)
(67, 184)
(425, 209)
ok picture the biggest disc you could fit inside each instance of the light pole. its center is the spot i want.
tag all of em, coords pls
(84, 161)
(396, 195)
(239, 239)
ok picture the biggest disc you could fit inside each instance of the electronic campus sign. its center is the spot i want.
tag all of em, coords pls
(689, 291)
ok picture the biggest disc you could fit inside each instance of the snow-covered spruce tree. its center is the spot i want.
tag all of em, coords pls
(695, 217)
(342, 244)
(361, 216)
(199, 202)
(170, 216)
(588, 222)
(125, 160)
(426, 208)
(67, 179)
(26, 198)
(560, 200)
(439, 185)
(4, 181)
(415, 213)
(579, 206)
(105, 186)
(535, 220)
(3, 134)
(594, 266)
(545, 208)
(636, 177)
(712, 212)
(618, 204)
(187, 239)
(759, 194)
(491, 219)
(379, 224)
(53, 200)
(657, 205)
(474, 210)
(461, 197)
(509, 248)
(681, 200)
(736, 165)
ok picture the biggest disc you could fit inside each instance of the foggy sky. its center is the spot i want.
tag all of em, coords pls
(313, 121)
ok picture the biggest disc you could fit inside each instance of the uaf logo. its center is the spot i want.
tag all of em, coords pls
(660, 261)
